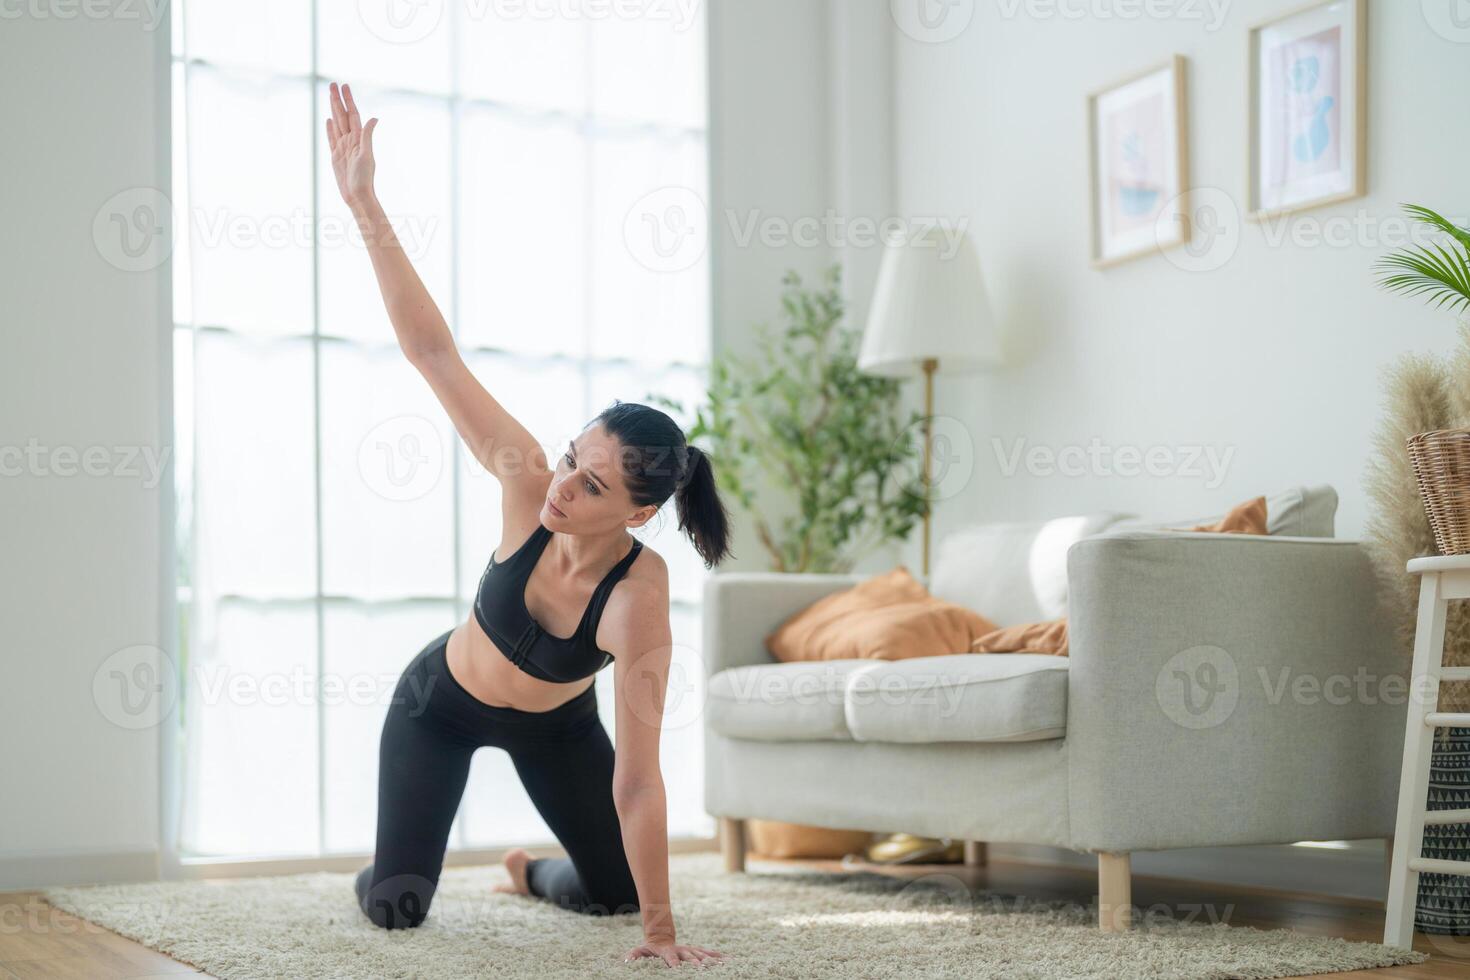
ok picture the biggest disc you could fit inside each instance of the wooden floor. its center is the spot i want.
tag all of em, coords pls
(38, 941)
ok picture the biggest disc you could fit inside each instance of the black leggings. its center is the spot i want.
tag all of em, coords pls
(563, 757)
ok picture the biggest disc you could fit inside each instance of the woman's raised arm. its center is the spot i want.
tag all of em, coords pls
(496, 438)
(416, 319)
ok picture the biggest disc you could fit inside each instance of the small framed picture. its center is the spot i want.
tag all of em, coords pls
(1308, 108)
(1139, 151)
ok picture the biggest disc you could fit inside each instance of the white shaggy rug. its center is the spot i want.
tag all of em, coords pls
(769, 923)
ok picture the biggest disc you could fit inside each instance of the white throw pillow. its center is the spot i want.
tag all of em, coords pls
(1013, 572)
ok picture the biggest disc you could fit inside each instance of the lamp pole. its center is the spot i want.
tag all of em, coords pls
(931, 364)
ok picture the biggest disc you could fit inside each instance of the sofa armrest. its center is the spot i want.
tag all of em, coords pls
(1229, 689)
(742, 608)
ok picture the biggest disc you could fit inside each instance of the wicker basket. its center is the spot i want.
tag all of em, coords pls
(1442, 466)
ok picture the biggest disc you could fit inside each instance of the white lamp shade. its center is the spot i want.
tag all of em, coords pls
(929, 302)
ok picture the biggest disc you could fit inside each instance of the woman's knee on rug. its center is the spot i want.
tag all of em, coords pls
(611, 902)
(399, 901)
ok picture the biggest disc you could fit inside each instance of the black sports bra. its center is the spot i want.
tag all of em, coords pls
(500, 609)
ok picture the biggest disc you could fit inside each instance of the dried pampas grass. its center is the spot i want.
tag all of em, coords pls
(1422, 392)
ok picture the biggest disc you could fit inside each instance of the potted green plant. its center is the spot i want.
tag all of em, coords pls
(825, 442)
(829, 445)
(1429, 413)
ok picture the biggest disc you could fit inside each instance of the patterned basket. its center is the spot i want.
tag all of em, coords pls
(1443, 902)
(1442, 467)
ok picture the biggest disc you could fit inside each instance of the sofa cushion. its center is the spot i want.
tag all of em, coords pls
(1305, 512)
(966, 697)
(889, 616)
(1246, 517)
(796, 701)
(1049, 636)
(1014, 572)
(977, 697)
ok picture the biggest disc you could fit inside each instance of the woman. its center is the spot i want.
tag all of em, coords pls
(572, 592)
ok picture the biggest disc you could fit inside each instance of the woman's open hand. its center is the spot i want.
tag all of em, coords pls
(674, 954)
(352, 147)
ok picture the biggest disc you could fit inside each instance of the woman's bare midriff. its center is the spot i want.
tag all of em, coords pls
(488, 674)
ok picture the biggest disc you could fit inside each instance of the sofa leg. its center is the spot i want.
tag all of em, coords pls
(1114, 891)
(732, 843)
(977, 855)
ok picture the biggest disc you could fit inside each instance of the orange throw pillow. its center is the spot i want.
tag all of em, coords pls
(1048, 637)
(887, 617)
(1246, 518)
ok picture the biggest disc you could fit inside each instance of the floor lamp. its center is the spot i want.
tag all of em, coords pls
(929, 316)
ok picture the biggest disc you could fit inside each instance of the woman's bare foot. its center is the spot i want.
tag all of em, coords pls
(515, 863)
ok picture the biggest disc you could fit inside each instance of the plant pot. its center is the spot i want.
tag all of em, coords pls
(1441, 461)
(1442, 905)
(772, 838)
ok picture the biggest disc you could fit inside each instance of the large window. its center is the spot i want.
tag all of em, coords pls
(331, 522)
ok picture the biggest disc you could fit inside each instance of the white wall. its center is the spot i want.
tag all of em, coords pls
(800, 144)
(1276, 355)
(83, 364)
(768, 165)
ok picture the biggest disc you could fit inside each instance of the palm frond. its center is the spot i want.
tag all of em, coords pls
(1440, 274)
(1424, 215)
(1417, 270)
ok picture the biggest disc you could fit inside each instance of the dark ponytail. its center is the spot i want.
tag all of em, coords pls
(701, 512)
(657, 463)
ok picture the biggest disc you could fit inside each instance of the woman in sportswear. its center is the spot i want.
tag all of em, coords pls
(571, 592)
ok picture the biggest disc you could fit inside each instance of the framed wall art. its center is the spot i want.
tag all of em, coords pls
(1308, 108)
(1138, 144)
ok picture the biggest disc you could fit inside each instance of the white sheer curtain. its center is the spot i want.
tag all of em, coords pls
(331, 523)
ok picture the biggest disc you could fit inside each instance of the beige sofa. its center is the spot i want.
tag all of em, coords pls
(1180, 718)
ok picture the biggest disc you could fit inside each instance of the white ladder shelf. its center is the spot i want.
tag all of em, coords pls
(1442, 578)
